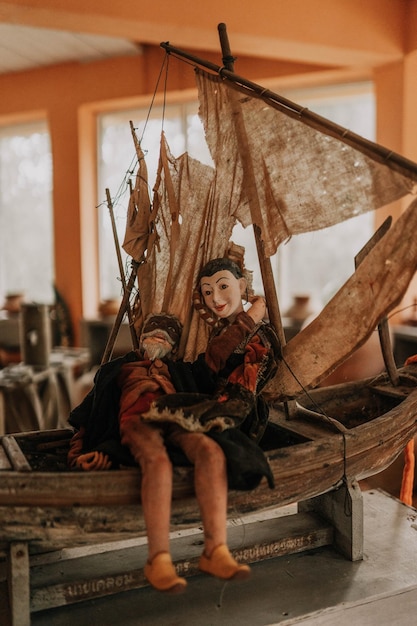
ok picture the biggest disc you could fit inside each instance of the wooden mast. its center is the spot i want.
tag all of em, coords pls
(264, 262)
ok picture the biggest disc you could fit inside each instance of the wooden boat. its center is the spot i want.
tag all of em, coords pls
(320, 445)
(318, 438)
(309, 454)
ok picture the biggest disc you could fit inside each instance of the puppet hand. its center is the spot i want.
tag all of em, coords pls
(91, 461)
(257, 310)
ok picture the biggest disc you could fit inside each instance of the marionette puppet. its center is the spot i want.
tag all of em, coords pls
(136, 386)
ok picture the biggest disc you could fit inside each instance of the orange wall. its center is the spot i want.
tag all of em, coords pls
(72, 94)
(61, 91)
(293, 40)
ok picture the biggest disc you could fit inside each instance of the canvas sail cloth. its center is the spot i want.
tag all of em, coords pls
(190, 224)
(287, 178)
(376, 287)
(273, 171)
(139, 233)
(283, 175)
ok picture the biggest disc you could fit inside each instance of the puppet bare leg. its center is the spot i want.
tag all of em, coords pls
(210, 483)
(146, 444)
(210, 479)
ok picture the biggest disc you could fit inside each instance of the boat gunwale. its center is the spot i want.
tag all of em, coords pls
(322, 456)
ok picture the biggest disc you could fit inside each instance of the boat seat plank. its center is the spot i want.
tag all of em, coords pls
(392, 392)
(15, 454)
(4, 460)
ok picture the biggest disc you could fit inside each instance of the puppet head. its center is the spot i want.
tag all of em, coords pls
(222, 286)
(160, 336)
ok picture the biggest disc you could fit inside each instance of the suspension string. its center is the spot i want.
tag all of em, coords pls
(133, 165)
(404, 308)
(163, 65)
(134, 161)
(324, 414)
(165, 90)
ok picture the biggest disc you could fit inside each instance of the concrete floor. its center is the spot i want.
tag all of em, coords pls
(315, 588)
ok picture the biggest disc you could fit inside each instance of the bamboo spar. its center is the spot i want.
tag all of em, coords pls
(127, 289)
(264, 262)
(379, 153)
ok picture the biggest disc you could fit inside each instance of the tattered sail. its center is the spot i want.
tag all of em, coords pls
(192, 224)
(140, 215)
(290, 178)
(282, 175)
(286, 178)
(353, 313)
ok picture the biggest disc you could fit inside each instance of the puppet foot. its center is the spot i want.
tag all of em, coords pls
(223, 565)
(162, 575)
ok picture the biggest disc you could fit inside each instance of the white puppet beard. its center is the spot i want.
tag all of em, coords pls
(156, 350)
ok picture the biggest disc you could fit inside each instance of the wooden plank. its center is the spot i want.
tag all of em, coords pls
(343, 508)
(49, 435)
(5, 617)
(15, 454)
(2, 413)
(4, 460)
(18, 584)
(263, 540)
(52, 527)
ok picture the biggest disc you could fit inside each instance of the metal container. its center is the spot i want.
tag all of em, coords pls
(35, 334)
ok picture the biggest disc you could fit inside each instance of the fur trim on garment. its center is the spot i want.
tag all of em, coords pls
(201, 413)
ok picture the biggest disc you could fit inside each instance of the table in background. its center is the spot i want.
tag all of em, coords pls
(38, 399)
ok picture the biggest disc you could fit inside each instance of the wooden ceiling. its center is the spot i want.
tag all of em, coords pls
(346, 33)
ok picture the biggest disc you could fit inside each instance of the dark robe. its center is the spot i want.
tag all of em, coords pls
(98, 417)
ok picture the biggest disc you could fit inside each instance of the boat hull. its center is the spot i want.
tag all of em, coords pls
(314, 454)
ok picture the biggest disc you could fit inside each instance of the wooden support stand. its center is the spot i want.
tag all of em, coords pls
(19, 584)
(343, 508)
(335, 518)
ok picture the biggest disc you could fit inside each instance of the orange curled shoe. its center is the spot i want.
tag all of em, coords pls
(162, 575)
(223, 565)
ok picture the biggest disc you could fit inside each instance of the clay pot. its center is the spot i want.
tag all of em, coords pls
(109, 308)
(13, 303)
(300, 310)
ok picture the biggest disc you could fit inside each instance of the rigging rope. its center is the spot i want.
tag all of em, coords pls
(322, 413)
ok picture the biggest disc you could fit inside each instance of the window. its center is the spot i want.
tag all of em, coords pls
(26, 226)
(318, 263)
(184, 132)
(315, 264)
